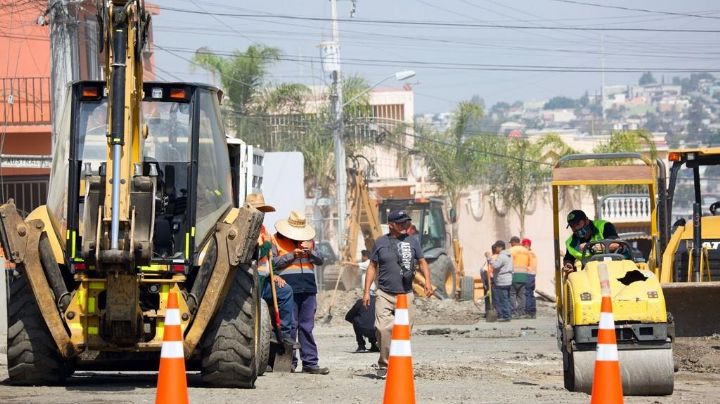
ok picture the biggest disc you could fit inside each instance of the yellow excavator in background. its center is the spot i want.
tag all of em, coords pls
(690, 270)
(366, 217)
(140, 205)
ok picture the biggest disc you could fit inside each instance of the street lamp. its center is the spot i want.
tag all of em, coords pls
(399, 76)
(339, 148)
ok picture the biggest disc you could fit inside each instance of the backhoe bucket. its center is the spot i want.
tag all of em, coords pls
(694, 307)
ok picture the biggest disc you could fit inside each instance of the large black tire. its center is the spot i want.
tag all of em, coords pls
(33, 357)
(467, 288)
(266, 331)
(228, 347)
(442, 273)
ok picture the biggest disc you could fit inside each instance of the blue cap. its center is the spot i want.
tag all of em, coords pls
(398, 216)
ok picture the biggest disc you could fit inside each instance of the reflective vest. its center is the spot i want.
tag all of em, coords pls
(263, 263)
(521, 258)
(598, 235)
(298, 265)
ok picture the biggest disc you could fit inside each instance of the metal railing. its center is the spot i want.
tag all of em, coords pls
(620, 208)
(25, 101)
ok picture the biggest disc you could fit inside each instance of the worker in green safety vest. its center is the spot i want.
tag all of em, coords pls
(585, 230)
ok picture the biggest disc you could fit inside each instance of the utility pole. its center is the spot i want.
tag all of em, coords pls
(336, 101)
(74, 52)
(602, 69)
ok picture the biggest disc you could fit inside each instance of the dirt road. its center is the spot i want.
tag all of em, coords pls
(514, 362)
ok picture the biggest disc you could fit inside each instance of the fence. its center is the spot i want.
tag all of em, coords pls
(25, 101)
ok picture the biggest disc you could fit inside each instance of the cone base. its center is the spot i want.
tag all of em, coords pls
(172, 382)
(400, 382)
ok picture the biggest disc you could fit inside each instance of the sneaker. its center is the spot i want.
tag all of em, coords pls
(503, 320)
(374, 348)
(315, 370)
(382, 373)
(361, 349)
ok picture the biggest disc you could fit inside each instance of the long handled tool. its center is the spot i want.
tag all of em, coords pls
(281, 356)
(329, 316)
(491, 315)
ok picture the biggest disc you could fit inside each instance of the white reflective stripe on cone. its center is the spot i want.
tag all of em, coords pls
(402, 317)
(400, 348)
(607, 352)
(172, 349)
(606, 321)
(172, 317)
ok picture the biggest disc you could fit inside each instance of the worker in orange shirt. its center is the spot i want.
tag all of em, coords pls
(530, 307)
(521, 264)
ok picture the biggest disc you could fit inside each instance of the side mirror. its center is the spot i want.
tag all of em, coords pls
(452, 215)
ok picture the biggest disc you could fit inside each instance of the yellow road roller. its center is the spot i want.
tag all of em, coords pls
(644, 332)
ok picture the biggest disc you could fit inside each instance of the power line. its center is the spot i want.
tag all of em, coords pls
(468, 66)
(441, 23)
(644, 10)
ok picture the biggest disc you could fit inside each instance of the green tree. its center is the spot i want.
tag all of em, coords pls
(523, 169)
(635, 141)
(242, 76)
(647, 78)
(449, 156)
(560, 103)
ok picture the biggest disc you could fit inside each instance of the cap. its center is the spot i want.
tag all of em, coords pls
(398, 216)
(526, 242)
(499, 244)
(575, 216)
(515, 239)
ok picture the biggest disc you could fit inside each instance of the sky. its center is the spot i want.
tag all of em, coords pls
(500, 50)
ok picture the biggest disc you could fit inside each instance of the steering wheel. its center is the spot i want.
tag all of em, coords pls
(714, 208)
(599, 250)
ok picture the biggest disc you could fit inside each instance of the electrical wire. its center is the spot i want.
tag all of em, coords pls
(467, 66)
(644, 10)
(442, 23)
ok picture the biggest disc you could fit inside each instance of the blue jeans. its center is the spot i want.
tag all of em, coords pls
(530, 296)
(501, 300)
(286, 305)
(305, 307)
(517, 298)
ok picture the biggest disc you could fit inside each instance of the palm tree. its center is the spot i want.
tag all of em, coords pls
(525, 167)
(242, 76)
(636, 141)
(450, 161)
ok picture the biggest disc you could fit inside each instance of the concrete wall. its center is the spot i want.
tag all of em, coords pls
(481, 223)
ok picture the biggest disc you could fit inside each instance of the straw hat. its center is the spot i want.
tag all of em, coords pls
(295, 227)
(257, 201)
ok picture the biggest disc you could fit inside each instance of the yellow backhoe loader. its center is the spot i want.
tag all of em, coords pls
(690, 271)
(140, 204)
(644, 332)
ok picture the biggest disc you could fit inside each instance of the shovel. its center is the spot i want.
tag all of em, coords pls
(491, 315)
(328, 318)
(281, 353)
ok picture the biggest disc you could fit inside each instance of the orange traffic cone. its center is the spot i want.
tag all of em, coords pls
(172, 381)
(607, 382)
(400, 383)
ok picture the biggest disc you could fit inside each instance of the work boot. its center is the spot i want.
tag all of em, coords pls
(315, 370)
(289, 341)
